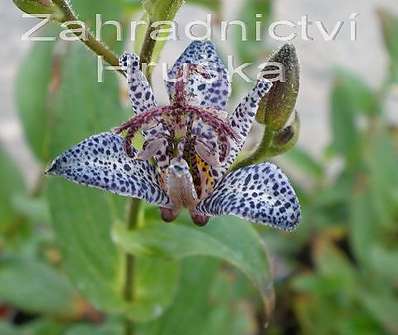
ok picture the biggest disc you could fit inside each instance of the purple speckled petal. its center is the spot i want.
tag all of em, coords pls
(243, 117)
(100, 161)
(258, 193)
(213, 92)
(139, 90)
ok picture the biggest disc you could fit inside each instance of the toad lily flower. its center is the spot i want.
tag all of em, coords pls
(188, 150)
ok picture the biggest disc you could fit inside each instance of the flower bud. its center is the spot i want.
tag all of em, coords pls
(277, 106)
(286, 138)
(36, 6)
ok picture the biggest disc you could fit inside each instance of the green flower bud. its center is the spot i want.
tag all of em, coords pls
(277, 106)
(36, 6)
(286, 138)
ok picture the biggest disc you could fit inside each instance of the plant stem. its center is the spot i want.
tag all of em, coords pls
(147, 50)
(132, 221)
(262, 151)
(128, 291)
(98, 47)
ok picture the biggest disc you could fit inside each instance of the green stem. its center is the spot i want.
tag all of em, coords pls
(262, 151)
(132, 221)
(147, 50)
(128, 291)
(98, 47)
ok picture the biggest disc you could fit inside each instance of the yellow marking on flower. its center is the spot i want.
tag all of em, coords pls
(207, 179)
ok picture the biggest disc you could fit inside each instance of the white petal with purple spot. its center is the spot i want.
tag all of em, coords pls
(100, 161)
(213, 92)
(258, 193)
(243, 117)
(139, 90)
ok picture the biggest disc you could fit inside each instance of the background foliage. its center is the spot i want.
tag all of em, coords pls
(63, 247)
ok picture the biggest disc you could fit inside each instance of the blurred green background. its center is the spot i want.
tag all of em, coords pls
(61, 270)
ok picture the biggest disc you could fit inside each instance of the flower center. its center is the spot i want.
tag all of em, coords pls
(199, 135)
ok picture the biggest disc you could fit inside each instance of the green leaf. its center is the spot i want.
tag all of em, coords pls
(333, 291)
(350, 99)
(82, 217)
(383, 307)
(82, 106)
(12, 185)
(343, 120)
(389, 25)
(155, 286)
(332, 263)
(382, 164)
(303, 160)
(251, 50)
(373, 204)
(229, 239)
(33, 208)
(35, 287)
(32, 87)
(39, 76)
(363, 226)
(108, 10)
(384, 262)
(363, 98)
(211, 311)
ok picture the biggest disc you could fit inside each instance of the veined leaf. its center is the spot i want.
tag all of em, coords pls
(34, 287)
(82, 106)
(12, 223)
(231, 240)
(155, 285)
(12, 185)
(82, 217)
(364, 99)
(253, 47)
(210, 312)
(343, 120)
(383, 307)
(389, 25)
(302, 160)
(32, 90)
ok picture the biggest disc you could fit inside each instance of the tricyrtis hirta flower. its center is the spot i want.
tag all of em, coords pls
(188, 149)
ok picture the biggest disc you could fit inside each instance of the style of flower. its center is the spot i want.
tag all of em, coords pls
(189, 147)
